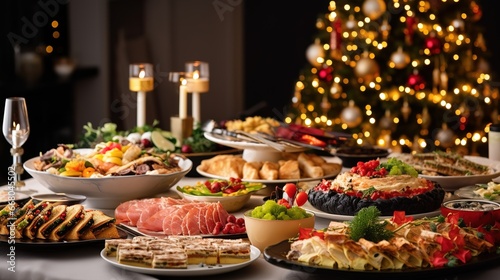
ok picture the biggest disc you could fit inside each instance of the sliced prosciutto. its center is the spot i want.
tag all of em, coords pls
(172, 224)
(172, 216)
(121, 212)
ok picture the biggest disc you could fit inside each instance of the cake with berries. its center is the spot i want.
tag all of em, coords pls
(390, 186)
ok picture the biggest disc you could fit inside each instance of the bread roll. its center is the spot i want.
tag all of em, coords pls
(308, 167)
(269, 170)
(331, 168)
(289, 169)
(251, 170)
(224, 165)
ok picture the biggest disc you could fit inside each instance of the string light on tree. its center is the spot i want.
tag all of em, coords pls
(417, 59)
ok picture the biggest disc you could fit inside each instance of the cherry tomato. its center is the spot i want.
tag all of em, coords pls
(284, 202)
(301, 198)
(290, 189)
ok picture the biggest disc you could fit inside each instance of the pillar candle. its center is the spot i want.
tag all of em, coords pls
(141, 108)
(183, 101)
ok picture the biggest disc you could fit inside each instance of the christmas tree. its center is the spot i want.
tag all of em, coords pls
(402, 74)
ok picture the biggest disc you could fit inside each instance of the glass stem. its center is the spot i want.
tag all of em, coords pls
(18, 166)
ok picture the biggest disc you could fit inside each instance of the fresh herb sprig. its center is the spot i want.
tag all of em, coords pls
(366, 224)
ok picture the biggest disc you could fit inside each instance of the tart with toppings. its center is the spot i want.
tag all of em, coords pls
(390, 186)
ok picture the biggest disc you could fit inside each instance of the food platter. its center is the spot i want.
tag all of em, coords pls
(275, 255)
(242, 145)
(336, 217)
(468, 192)
(267, 182)
(109, 191)
(42, 243)
(452, 183)
(252, 151)
(134, 231)
(192, 270)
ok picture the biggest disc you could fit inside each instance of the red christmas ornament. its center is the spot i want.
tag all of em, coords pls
(433, 44)
(410, 29)
(477, 12)
(416, 81)
(325, 74)
(336, 34)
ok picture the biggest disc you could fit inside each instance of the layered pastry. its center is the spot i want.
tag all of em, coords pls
(170, 260)
(231, 253)
(135, 257)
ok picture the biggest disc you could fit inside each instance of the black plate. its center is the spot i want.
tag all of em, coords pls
(276, 254)
(350, 156)
(42, 243)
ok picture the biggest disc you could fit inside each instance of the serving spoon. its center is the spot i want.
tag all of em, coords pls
(212, 127)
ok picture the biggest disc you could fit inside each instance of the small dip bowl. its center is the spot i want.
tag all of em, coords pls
(474, 212)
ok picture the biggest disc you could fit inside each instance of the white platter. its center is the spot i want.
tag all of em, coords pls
(192, 270)
(452, 183)
(336, 217)
(266, 182)
(468, 192)
(253, 151)
(242, 145)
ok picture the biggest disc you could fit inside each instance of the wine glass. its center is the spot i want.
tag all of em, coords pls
(16, 129)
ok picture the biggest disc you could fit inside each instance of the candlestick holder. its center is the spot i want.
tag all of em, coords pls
(181, 126)
(197, 82)
(141, 81)
(16, 129)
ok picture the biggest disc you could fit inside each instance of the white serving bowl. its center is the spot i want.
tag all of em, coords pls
(108, 192)
(263, 233)
(230, 203)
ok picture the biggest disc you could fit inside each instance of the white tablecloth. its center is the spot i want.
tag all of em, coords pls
(84, 262)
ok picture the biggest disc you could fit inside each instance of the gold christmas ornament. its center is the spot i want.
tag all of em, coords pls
(458, 24)
(480, 42)
(351, 23)
(314, 52)
(400, 59)
(443, 79)
(483, 66)
(366, 69)
(426, 118)
(351, 115)
(386, 122)
(320, 24)
(406, 110)
(374, 8)
(445, 136)
(335, 90)
(435, 79)
(385, 29)
(325, 105)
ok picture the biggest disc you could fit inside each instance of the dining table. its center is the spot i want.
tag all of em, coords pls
(84, 262)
